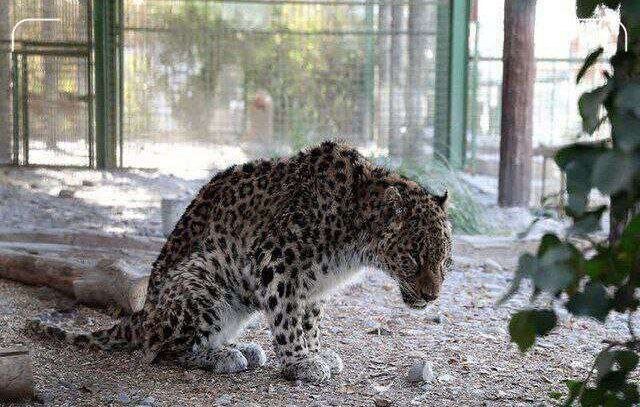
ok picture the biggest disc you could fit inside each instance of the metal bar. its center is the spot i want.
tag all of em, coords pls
(90, 95)
(106, 87)
(474, 102)
(570, 60)
(25, 111)
(368, 75)
(442, 91)
(319, 2)
(459, 80)
(233, 31)
(120, 80)
(99, 28)
(68, 53)
(15, 77)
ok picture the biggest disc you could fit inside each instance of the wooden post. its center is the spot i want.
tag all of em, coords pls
(16, 374)
(517, 103)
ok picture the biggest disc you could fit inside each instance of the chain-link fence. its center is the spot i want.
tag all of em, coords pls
(562, 43)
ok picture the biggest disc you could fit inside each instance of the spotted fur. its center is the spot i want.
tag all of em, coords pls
(274, 236)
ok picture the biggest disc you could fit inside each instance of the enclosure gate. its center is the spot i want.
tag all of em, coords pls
(51, 85)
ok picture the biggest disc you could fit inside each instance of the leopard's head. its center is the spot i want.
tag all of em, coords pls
(413, 243)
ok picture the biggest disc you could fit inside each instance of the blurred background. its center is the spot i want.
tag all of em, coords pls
(187, 87)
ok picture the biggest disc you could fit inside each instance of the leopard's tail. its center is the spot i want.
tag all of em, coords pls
(126, 334)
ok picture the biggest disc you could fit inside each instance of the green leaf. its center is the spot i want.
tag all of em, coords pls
(630, 239)
(591, 302)
(574, 387)
(586, 8)
(527, 266)
(587, 222)
(555, 271)
(591, 59)
(590, 104)
(624, 299)
(526, 325)
(613, 171)
(625, 131)
(577, 161)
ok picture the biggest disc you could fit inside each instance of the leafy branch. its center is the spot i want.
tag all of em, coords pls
(604, 276)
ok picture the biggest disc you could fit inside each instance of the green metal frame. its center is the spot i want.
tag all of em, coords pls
(16, 108)
(452, 81)
(106, 29)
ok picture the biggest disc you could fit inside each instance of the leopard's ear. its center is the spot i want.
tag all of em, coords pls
(443, 200)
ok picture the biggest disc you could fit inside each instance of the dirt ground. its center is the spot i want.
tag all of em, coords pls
(463, 336)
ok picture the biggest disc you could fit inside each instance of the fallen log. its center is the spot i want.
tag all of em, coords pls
(16, 374)
(83, 238)
(95, 281)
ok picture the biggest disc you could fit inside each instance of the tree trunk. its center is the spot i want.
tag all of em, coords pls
(517, 103)
(626, 66)
(396, 108)
(416, 80)
(5, 98)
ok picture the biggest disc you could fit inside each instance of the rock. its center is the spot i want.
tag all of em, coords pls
(223, 400)
(16, 373)
(381, 402)
(421, 372)
(66, 193)
(124, 398)
(88, 183)
(445, 378)
(147, 401)
(492, 265)
(380, 331)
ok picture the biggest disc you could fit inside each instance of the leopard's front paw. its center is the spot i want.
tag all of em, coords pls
(333, 360)
(312, 369)
(253, 353)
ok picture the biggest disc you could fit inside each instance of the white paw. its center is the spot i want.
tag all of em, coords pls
(312, 369)
(229, 361)
(253, 353)
(333, 360)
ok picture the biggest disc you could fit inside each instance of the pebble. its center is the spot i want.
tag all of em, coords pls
(66, 193)
(421, 371)
(124, 398)
(147, 402)
(381, 402)
(223, 400)
(492, 265)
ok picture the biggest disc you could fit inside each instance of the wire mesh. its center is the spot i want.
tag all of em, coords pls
(267, 77)
(560, 52)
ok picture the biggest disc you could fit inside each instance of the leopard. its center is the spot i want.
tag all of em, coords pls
(276, 237)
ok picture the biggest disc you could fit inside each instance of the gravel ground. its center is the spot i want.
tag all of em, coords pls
(463, 337)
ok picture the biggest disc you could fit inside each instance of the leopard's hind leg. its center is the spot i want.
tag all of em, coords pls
(198, 320)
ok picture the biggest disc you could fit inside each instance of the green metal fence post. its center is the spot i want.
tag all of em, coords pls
(442, 94)
(459, 80)
(25, 110)
(369, 80)
(451, 81)
(106, 82)
(16, 108)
